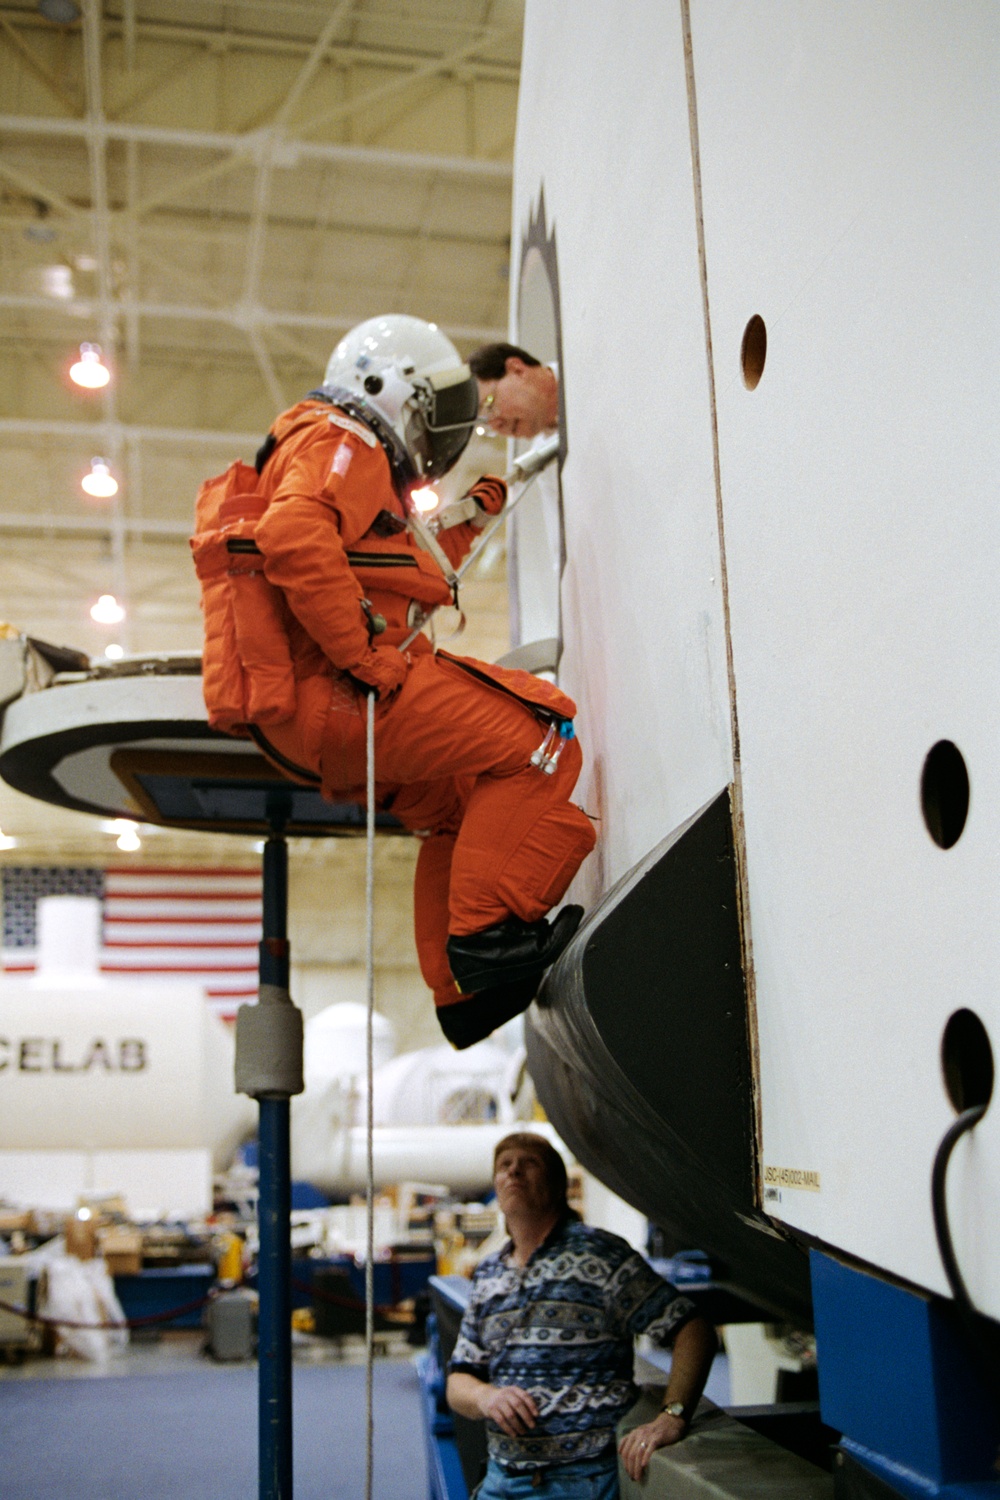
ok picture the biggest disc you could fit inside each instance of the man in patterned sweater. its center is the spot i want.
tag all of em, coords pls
(545, 1353)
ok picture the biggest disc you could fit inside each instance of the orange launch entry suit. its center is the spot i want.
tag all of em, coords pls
(453, 737)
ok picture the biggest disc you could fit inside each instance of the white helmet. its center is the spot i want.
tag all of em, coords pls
(415, 379)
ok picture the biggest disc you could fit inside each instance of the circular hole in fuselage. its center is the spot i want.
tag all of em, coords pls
(967, 1061)
(753, 352)
(944, 793)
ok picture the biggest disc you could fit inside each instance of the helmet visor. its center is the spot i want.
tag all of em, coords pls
(442, 423)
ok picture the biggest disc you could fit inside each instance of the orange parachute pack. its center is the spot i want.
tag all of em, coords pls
(247, 673)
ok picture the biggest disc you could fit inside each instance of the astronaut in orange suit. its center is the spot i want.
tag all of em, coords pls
(479, 760)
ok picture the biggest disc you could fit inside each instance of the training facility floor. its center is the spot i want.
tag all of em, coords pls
(164, 1422)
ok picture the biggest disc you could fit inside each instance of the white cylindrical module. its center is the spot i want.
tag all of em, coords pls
(335, 1042)
(69, 942)
(439, 1113)
(458, 1156)
(439, 1086)
(121, 1067)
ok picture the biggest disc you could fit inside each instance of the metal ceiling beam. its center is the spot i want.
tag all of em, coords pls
(265, 365)
(35, 189)
(96, 149)
(181, 185)
(292, 346)
(276, 136)
(61, 525)
(257, 235)
(101, 228)
(254, 143)
(235, 317)
(228, 39)
(153, 85)
(228, 229)
(312, 63)
(36, 66)
(250, 146)
(129, 35)
(30, 427)
(181, 276)
(431, 69)
(258, 145)
(131, 238)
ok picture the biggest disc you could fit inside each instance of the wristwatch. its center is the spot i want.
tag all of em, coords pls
(673, 1409)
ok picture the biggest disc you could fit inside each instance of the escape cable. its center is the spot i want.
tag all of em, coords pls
(370, 1114)
(970, 1318)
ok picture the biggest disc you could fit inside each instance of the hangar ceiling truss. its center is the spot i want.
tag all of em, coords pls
(213, 193)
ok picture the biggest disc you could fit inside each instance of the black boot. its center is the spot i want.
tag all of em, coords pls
(471, 1020)
(511, 951)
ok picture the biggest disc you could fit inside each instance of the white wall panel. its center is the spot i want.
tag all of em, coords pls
(603, 130)
(849, 173)
(848, 166)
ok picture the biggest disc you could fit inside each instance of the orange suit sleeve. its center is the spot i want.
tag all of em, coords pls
(456, 542)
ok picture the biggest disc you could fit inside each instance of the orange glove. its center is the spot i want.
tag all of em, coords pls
(384, 668)
(489, 493)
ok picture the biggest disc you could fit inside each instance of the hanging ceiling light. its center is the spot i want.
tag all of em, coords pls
(57, 281)
(90, 370)
(100, 482)
(107, 610)
(128, 835)
(114, 652)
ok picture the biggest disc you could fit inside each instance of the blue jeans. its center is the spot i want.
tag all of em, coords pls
(587, 1479)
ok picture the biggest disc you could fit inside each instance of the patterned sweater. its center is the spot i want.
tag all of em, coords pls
(562, 1328)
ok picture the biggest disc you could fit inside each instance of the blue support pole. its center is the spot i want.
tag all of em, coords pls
(274, 1329)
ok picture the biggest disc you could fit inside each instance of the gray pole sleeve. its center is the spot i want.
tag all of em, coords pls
(269, 1046)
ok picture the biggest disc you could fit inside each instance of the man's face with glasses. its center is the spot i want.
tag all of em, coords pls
(522, 403)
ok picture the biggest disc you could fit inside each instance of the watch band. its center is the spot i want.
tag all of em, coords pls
(674, 1408)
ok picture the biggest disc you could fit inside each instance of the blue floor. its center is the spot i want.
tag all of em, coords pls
(193, 1436)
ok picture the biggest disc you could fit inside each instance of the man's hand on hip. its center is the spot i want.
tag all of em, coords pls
(512, 1409)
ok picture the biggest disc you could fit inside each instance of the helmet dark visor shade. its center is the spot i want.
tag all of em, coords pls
(449, 425)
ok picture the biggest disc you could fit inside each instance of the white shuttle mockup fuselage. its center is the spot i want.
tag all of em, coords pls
(802, 567)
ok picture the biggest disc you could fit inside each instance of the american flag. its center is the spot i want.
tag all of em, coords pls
(196, 924)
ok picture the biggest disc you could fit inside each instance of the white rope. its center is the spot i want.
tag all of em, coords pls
(370, 1121)
(549, 453)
